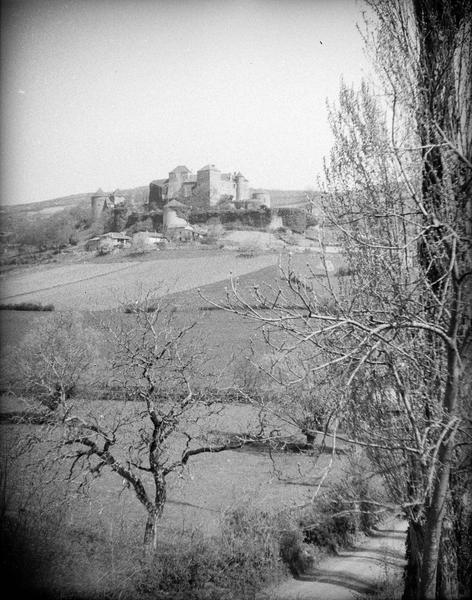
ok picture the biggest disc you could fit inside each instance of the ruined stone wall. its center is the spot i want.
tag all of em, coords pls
(227, 187)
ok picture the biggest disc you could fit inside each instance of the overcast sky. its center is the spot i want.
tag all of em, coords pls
(115, 93)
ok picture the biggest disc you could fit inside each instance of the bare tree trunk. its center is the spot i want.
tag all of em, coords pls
(150, 533)
(437, 507)
(414, 550)
(447, 578)
(154, 516)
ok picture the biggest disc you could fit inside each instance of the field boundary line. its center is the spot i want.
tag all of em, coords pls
(57, 285)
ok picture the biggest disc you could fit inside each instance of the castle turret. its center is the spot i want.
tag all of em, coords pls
(242, 188)
(176, 179)
(98, 201)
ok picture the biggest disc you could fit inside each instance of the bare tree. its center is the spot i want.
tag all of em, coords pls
(53, 360)
(141, 243)
(398, 323)
(154, 434)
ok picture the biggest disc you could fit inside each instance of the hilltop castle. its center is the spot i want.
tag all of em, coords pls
(204, 189)
(207, 187)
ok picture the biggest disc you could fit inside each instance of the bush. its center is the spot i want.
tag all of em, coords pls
(140, 243)
(233, 219)
(294, 552)
(248, 252)
(242, 559)
(215, 231)
(343, 271)
(28, 306)
(106, 246)
(311, 220)
(293, 218)
(347, 508)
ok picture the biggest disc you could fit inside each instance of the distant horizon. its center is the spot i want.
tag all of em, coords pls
(111, 94)
(127, 187)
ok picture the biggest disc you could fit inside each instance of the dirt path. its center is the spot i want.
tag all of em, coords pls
(353, 572)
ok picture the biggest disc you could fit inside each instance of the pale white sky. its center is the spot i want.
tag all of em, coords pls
(115, 93)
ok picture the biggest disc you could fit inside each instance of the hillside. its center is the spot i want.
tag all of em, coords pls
(137, 196)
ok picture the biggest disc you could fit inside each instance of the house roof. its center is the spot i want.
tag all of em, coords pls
(182, 227)
(116, 236)
(160, 182)
(209, 168)
(100, 192)
(181, 169)
(153, 234)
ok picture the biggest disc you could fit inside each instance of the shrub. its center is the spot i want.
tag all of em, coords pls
(255, 218)
(241, 559)
(248, 252)
(343, 271)
(106, 246)
(294, 552)
(311, 220)
(346, 509)
(140, 243)
(293, 218)
(215, 231)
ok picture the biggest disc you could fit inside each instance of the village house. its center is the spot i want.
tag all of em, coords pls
(118, 240)
(153, 238)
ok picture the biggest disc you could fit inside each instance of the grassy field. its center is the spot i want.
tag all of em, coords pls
(92, 537)
(103, 286)
(222, 334)
(108, 521)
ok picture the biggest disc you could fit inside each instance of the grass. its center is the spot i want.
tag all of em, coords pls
(91, 549)
(223, 335)
(101, 286)
(226, 501)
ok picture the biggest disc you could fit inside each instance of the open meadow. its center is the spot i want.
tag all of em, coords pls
(92, 286)
(105, 517)
(186, 281)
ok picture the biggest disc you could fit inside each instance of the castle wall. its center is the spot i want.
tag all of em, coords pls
(261, 198)
(175, 183)
(227, 187)
(156, 196)
(209, 182)
(243, 189)
(204, 189)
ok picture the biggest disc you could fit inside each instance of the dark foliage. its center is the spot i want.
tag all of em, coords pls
(27, 306)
